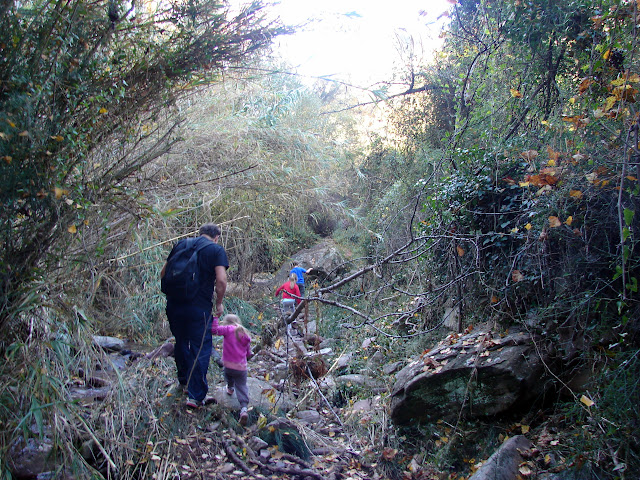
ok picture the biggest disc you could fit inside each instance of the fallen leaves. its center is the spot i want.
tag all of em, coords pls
(587, 401)
(517, 276)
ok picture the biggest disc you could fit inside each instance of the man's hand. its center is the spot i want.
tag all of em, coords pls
(219, 310)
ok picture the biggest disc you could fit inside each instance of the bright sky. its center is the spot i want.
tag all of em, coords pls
(357, 41)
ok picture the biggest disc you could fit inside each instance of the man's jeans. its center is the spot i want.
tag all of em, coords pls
(191, 326)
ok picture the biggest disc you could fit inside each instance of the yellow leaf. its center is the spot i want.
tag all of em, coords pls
(57, 138)
(554, 222)
(587, 401)
(23, 134)
(524, 184)
(72, 229)
(460, 251)
(7, 158)
(609, 103)
(525, 429)
(278, 344)
(575, 193)
(494, 299)
(271, 428)
(572, 100)
(551, 163)
(606, 54)
(444, 439)
(632, 178)
(528, 226)
(332, 433)
(13, 125)
(59, 192)
(262, 421)
(103, 111)
(515, 93)
(569, 220)
(514, 230)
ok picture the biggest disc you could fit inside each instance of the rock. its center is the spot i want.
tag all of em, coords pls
(163, 351)
(108, 343)
(89, 394)
(359, 380)
(323, 352)
(118, 362)
(364, 406)
(344, 360)
(31, 458)
(280, 372)
(329, 343)
(376, 359)
(504, 463)
(324, 258)
(257, 444)
(393, 367)
(327, 383)
(309, 416)
(479, 374)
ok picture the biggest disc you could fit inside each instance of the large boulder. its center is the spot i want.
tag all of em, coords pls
(261, 394)
(478, 374)
(324, 258)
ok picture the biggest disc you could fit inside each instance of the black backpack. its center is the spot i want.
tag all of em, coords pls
(181, 275)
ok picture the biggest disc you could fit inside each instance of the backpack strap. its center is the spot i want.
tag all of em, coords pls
(199, 246)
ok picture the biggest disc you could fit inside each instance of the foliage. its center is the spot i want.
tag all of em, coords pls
(87, 93)
(529, 209)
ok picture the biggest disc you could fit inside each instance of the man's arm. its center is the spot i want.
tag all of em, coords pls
(221, 288)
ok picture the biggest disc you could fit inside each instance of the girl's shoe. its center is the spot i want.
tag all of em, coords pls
(244, 416)
(191, 403)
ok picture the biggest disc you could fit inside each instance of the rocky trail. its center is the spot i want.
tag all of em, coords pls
(304, 421)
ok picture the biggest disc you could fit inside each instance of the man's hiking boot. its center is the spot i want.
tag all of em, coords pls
(230, 391)
(191, 403)
(244, 416)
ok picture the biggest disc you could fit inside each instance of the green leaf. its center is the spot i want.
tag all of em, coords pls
(628, 216)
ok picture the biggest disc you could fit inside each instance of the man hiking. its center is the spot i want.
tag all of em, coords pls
(195, 269)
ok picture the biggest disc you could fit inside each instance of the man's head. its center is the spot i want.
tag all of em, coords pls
(210, 229)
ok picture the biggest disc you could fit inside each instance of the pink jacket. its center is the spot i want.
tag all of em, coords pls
(234, 351)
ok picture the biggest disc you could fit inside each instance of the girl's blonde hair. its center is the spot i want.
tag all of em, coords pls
(231, 319)
(293, 278)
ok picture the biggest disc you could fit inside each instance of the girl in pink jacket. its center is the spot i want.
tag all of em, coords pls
(236, 350)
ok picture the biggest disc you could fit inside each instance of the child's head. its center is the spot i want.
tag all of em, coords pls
(231, 319)
(293, 279)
